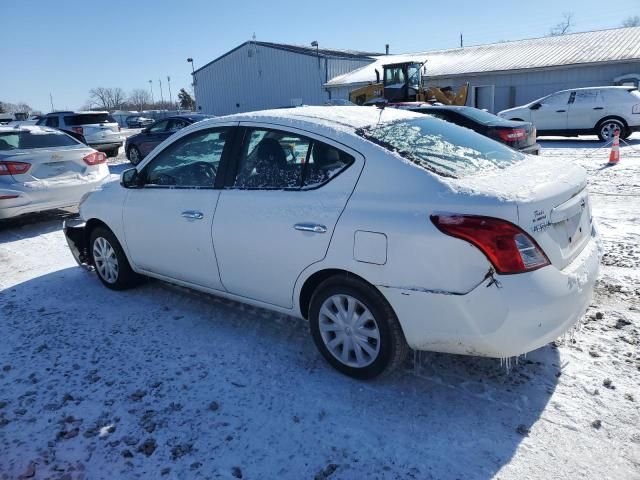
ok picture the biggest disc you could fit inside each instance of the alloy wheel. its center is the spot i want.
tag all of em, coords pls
(106, 262)
(607, 130)
(349, 331)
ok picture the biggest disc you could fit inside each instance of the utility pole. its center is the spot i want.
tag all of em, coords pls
(51, 98)
(151, 86)
(161, 95)
(170, 97)
(461, 44)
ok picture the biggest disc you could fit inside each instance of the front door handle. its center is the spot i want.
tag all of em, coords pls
(192, 215)
(560, 111)
(310, 227)
(598, 108)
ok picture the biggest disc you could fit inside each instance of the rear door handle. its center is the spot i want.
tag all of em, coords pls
(560, 111)
(598, 108)
(310, 227)
(192, 215)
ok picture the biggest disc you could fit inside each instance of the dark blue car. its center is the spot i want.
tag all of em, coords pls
(138, 146)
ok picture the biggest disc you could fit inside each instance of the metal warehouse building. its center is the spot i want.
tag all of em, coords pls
(507, 74)
(260, 75)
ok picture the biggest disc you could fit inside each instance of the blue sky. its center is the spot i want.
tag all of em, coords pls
(68, 47)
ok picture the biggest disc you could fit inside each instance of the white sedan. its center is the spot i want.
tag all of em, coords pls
(43, 169)
(385, 229)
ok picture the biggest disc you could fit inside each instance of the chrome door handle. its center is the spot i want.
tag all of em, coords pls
(310, 227)
(192, 215)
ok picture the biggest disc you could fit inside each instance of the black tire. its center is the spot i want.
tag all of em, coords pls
(125, 277)
(606, 127)
(113, 152)
(393, 347)
(626, 133)
(134, 156)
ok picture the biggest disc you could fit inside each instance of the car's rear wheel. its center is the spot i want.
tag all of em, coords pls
(355, 328)
(607, 128)
(134, 155)
(113, 152)
(109, 260)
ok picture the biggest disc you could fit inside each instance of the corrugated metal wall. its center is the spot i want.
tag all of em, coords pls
(257, 77)
(513, 89)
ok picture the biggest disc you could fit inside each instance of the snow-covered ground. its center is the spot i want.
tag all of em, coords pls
(160, 382)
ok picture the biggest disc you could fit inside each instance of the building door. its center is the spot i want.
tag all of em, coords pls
(483, 97)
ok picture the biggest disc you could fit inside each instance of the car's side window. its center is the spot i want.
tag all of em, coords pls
(271, 159)
(325, 162)
(158, 127)
(191, 161)
(557, 99)
(52, 122)
(176, 124)
(587, 96)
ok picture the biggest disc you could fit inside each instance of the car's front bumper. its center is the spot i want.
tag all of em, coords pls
(507, 317)
(75, 232)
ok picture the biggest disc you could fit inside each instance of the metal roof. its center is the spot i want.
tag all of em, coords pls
(612, 45)
(300, 49)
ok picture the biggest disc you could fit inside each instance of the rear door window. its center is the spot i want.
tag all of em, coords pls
(88, 119)
(587, 97)
(272, 159)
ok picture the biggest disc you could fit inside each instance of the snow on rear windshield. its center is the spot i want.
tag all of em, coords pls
(27, 139)
(442, 147)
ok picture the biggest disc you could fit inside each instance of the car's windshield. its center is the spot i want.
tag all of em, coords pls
(34, 139)
(88, 119)
(442, 147)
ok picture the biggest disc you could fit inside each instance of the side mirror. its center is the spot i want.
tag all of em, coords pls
(130, 178)
(535, 106)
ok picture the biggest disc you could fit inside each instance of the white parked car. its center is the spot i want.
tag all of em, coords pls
(99, 130)
(583, 111)
(386, 229)
(42, 169)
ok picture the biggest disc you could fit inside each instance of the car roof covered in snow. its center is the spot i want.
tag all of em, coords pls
(344, 119)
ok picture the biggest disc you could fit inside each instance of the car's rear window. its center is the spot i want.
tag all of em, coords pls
(441, 147)
(28, 139)
(88, 119)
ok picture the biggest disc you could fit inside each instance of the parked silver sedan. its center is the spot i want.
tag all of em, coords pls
(43, 169)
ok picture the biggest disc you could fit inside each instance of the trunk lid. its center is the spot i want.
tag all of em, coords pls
(59, 164)
(551, 199)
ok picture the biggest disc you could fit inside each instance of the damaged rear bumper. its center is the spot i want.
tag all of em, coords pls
(75, 232)
(504, 315)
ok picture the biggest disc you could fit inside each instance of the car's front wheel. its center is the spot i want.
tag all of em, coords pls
(355, 328)
(134, 155)
(607, 128)
(109, 260)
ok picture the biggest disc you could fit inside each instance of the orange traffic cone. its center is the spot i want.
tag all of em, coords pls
(614, 156)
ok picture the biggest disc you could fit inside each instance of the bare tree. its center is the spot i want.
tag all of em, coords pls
(139, 99)
(633, 21)
(106, 98)
(564, 26)
(19, 107)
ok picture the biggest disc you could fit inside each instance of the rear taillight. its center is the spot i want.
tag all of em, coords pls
(77, 130)
(95, 158)
(512, 134)
(506, 246)
(14, 168)
(8, 197)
